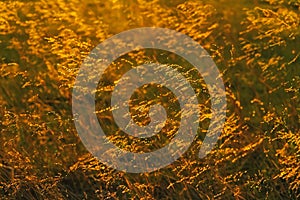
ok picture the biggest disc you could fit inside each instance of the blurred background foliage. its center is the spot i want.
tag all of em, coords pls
(255, 44)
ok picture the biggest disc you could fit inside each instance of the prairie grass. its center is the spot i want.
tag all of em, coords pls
(255, 44)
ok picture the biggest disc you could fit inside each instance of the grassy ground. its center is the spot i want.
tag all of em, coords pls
(256, 47)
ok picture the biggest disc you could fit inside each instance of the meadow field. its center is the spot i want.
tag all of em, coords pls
(256, 46)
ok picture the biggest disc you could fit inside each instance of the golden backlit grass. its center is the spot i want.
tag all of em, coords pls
(42, 45)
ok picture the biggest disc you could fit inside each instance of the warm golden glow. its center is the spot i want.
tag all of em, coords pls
(256, 46)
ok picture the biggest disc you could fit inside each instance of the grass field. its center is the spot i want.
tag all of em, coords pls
(256, 46)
